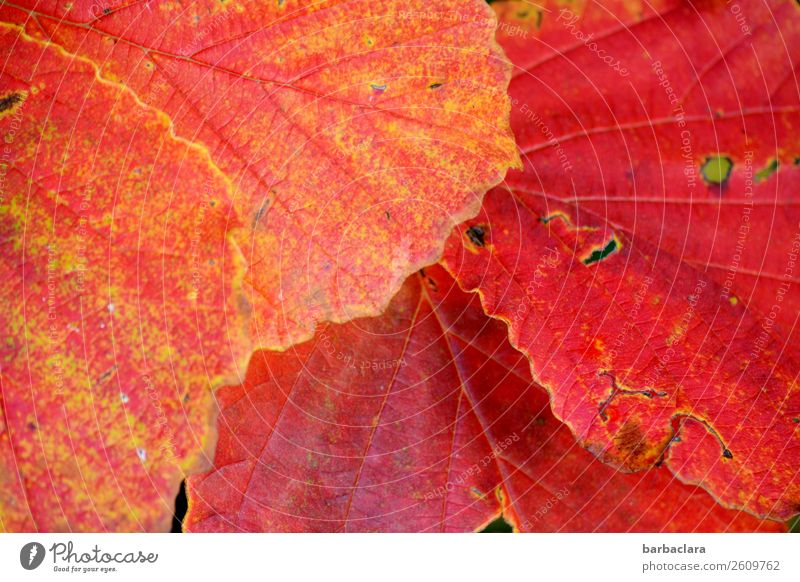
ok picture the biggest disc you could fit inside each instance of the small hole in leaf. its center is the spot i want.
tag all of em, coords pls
(716, 169)
(434, 85)
(181, 505)
(727, 454)
(550, 217)
(476, 235)
(600, 254)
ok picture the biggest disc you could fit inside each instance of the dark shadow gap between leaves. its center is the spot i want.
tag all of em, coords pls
(499, 525)
(181, 505)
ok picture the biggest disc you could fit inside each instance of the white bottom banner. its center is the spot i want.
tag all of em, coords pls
(401, 557)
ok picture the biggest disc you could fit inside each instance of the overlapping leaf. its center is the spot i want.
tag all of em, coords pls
(357, 133)
(422, 419)
(692, 148)
(121, 300)
(645, 260)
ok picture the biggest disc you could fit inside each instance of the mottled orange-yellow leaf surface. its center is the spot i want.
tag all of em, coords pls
(121, 300)
(422, 419)
(357, 133)
(646, 258)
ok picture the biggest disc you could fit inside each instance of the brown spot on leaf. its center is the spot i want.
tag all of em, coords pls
(631, 442)
(11, 101)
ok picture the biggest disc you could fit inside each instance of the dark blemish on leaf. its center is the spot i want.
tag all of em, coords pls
(429, 280)
(106, 10)
(186, 398)
(600, 254)
(767, 171)
(434, 86)
(388, 215)
(708, 426)
(107, 374)
(261, 212)
(650, 394)
(32, 426)
(476, 235)
(9, 101)
(617, 390)
(716, 170)
(796, 420)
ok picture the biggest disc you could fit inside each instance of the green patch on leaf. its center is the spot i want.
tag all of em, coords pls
(767, 171)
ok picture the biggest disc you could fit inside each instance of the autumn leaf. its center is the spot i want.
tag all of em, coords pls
(121, 299)
(357, 134)
(693, 148)
(645, 258)
(422, 419)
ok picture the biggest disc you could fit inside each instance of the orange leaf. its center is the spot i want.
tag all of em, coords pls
(357, 133)
(117, 281)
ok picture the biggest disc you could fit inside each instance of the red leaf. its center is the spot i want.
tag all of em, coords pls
(617, 261)
(357, 133)
(423, 419)
(631, 150)
(117, 281)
